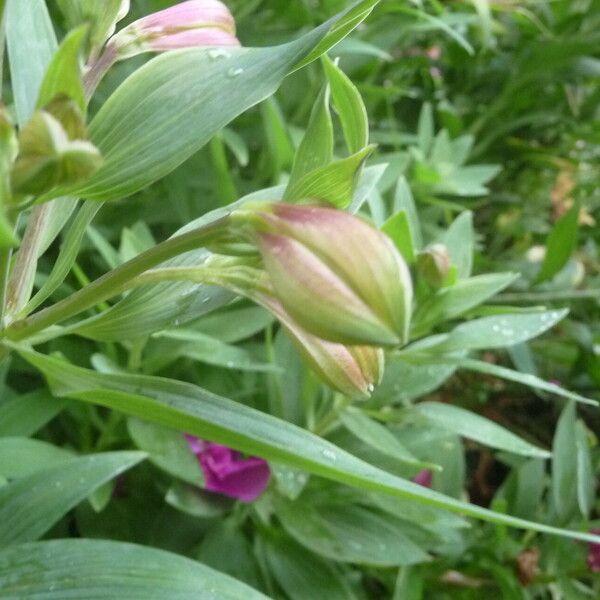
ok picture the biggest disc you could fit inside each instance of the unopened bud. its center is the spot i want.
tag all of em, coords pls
(352, 370)
(337, 276)
(52, 152)
(433, 264)
(195, 23)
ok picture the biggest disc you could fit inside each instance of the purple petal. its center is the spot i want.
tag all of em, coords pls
(593, 557)
(226, 472)
(424, 478)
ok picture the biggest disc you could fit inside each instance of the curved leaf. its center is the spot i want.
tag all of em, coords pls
(101, 570)
(204, 414)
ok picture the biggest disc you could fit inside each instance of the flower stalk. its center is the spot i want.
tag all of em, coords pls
(115, 281)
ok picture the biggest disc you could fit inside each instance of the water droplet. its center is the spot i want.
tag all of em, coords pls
(235, 72)
(218, 53)
(329, 454)
(370, 388)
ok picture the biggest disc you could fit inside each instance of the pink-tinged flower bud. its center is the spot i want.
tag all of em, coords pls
(195, 23)
(227, 472)
(433, 265)
(352, 370)
(338, 277)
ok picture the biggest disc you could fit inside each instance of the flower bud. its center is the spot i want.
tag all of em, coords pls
(352, 370)
(195, 23)
(338, 277)
(52, 151)
(433, 264)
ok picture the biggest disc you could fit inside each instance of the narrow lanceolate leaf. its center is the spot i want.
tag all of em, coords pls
(333, 183)
(500, 331)
(30, 506)
(21, 456)
(523, 378)
(560, 244)
(316, 148)
(99, 569)
(24, 415)
(349, 105)
(377, 436)
(453, 301)
(31, 43)
(203, 414)
(172, 106)
(67, 255)
(475, 427)
(63, 75)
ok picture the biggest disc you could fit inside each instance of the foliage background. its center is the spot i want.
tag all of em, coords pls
(521, 79)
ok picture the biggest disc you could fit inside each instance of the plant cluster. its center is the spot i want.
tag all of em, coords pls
(299, 306)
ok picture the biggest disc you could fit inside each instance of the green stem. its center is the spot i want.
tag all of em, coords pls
(23, 273)
(548, 296)
(115, 281)
(5, 254)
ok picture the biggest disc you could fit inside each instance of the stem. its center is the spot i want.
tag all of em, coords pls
(98, 69)
(2, 40)
(5, 254)
(21, 280)
(115, 281)
(548, 296)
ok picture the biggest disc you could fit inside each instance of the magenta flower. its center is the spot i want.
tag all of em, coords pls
(226, 472)
(195, 23)
(424, 478)
(593, 557)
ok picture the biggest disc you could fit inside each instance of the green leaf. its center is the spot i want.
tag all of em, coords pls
(451, 302)
(349, 105)
(398, 229)
(25, 414)
(64, 75)
(564, 465)
(203, 348)
(31, 505)
(404, 201)
(403, 381)
(21, 457)
(425, 129)
(460, 241)
(203, 414)
(301, 574)
(340, 27)
(169, 108)
(101, 570)
(333, 183)
(226, 549)
(476, 427)
(349, 533)
(377, 436)
(524, 378)
(31, 44)
(500, 331)
(167, 449)
(316, 148)
(560, 244)
(586, 483)
(192, 500)
(67, 255)
(101, 15)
